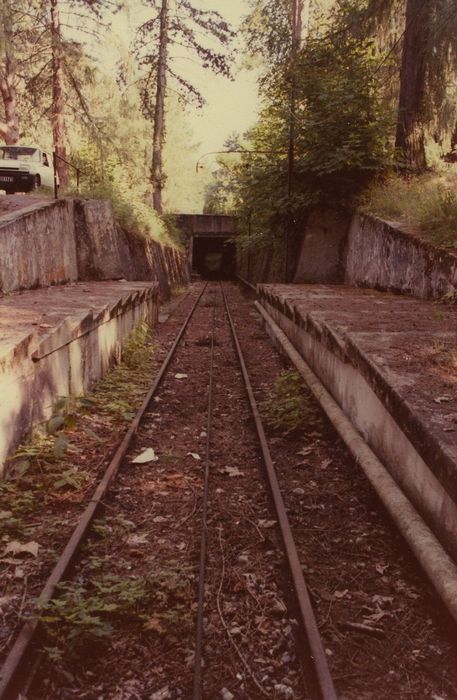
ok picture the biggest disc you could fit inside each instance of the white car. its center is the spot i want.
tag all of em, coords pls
(24, 168)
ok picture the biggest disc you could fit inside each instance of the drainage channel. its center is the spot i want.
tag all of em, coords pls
(156, 504)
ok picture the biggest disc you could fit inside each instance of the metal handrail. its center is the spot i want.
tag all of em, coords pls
(55, 157)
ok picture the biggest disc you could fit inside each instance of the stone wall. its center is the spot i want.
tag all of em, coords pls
(69, 240)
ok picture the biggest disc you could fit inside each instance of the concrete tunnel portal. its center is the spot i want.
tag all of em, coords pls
(210, 244)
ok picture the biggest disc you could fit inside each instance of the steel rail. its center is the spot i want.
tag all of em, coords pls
(324, 688)
(197, 693)
(247, 283)
(13, 667)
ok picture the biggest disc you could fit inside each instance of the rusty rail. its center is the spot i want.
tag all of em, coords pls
(323, 684)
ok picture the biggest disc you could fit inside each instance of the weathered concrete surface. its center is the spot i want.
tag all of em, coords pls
(380, 255)
(66, 240)
(207, 224)
(58, 341)
(37, 246)
(266, 264)
(389, 363)
(362, 251)
(322, 252)
(101, 248)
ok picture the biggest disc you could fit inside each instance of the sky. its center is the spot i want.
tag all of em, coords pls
(232, 105)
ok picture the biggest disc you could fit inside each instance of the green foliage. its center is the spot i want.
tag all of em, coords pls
(89, 611)
(289, 407)
(450, 297)
(342, 131)
(122, 389)
(427, 202)
(110, 177)
(83, 614)
(137, 348)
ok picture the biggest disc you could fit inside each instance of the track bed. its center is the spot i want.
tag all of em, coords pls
(384, 634)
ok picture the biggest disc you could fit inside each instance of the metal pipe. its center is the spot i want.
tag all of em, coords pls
(436, 563)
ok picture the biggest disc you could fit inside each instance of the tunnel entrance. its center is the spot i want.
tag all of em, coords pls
(214, 257)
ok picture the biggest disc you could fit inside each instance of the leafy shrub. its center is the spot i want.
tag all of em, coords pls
(129, 195)
(289, 407)
(83, 614)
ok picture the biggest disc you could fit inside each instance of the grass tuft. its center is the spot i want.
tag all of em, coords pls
(428, 202)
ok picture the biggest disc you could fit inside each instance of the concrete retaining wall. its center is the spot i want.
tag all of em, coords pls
(72, 240)
(36, 370)
(361, 251)
(38, 247)
(266, 264)
(322, 251)
(335, 362)
(379, 255)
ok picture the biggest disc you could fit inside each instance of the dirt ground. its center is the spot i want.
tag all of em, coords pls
(14, 202)
(146, 542)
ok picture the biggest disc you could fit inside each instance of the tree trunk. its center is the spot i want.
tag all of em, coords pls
(58, 100)
(159, 124)
(300, 29)
(9, 129)
(410, 140)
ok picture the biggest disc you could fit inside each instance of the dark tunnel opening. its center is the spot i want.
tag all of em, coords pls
(214, 257)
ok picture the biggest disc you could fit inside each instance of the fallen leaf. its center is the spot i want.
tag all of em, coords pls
(377, 616)
(340, 594)
(4, 600)
(305, 451)
(154, 625)
(134, 540)
(19, 572)
(148, 455)
(442, 399)
(263, 624)
(159, 519)
(18, 548)
(232, 471)
(380, 599)
(180, 376)
(194, 455)
(266, 523)
(381, 568)
(45, 325)
(325, 463)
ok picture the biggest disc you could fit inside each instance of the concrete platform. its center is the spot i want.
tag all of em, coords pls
(391, 364)
(57, 341)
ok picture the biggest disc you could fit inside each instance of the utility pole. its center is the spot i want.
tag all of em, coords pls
(300, 11)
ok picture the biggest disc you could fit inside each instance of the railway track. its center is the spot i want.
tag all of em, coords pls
(201, 426)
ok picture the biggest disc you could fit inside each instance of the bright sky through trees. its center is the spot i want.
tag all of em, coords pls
(231, 106)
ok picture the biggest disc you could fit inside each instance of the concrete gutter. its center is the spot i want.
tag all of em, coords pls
(436, 563)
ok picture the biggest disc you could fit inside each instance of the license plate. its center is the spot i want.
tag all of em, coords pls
(5, 178)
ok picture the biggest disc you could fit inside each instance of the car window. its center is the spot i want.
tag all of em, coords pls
(45, 159)
(24, 153)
